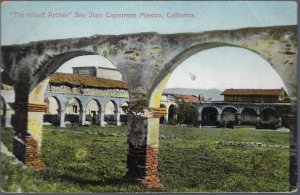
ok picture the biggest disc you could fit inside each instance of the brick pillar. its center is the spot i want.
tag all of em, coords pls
(142, 159)
(27, 124)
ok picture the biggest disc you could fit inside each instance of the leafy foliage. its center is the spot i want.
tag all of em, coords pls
(186, 113)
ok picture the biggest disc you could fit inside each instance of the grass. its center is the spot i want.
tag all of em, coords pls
(81, 159)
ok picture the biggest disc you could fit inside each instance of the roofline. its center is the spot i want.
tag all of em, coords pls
(99, 67)
(84, 67)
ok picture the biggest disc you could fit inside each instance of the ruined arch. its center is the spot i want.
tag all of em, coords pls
(170, 50)
(164, 74)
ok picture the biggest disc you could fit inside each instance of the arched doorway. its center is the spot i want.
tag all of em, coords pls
(93, 110)
(53, 110)
(172, 114)
(209, 116)
(229, 114)
(269, 118)
(111, 112)
(249, 116)
(74, 111)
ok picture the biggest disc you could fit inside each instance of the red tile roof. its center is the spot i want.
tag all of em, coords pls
(190, 98)
(253, 92)
(77, 80)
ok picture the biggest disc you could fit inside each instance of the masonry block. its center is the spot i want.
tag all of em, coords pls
(27, 151)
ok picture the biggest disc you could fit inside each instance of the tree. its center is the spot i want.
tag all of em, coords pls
(187, 113)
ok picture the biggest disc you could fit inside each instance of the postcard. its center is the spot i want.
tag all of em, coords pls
(149, 96)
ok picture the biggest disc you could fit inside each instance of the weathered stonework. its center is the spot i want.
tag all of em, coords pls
(27, 151)
(146, 60)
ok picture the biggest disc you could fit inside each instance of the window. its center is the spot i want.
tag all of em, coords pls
(75, 109)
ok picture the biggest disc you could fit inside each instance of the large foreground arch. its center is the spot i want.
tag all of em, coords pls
(146, 60)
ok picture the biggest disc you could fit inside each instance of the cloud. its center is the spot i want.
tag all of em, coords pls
(192, 76)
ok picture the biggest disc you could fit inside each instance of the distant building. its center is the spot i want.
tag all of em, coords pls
(86, 71)
(109, 73)
(263, 108)
(81, 98)
(255, 95)
(101, 72)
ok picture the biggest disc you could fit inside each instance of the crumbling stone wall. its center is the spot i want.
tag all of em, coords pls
(146, 60)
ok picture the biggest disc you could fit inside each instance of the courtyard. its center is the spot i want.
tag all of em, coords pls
(93, 159)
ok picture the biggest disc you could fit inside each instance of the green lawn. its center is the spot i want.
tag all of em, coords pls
(81, 159)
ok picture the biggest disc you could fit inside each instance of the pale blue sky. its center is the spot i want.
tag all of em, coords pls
(209, 16)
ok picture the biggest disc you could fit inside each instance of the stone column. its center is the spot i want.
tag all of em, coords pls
(142, 158)
(258, 119)
(239, 118)
(166, 118)
(61, 114)
(82, 117)
(219, 117)
(102, 116)
(8, 113)
(118, 117)
(279, 121)
(200, 115)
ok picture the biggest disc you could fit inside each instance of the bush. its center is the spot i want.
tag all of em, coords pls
(187, 113)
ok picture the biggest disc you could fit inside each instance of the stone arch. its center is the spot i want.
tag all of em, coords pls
(269, 118)
(145, 93)
(164, 74)
(50, 65)
(57, 100)
(74, 110)
(248, 116)
(93, 110)
(111, 113)
(209, 115)
(229, 114)
(52, 113)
